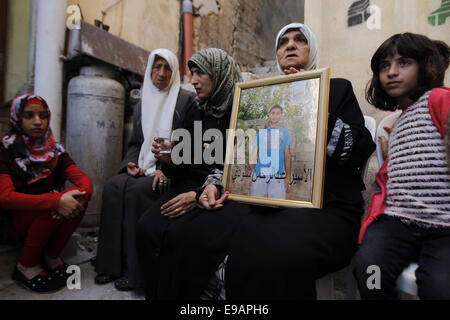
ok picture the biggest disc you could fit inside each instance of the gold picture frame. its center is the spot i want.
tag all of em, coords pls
(276, 145)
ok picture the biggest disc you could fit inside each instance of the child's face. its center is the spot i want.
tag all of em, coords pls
(399, 77)
(275, 115)
(34, 120)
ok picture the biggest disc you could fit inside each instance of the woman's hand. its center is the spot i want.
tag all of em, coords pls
(179, 205)
(156, 150)
(210, 200)
(133, 170)
(384, 143)
(160, 181)
(292, 70)
(69, 206)
(56, 215)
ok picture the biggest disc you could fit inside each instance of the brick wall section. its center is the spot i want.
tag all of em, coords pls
(244, 28)
(232, 29)
(246, 46)
(216, 30)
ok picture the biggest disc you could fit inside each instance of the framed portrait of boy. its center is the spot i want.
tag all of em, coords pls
(276, 145)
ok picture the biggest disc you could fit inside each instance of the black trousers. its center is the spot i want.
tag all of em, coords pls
(151, 234)
(273, 253)
(392, 245)
(278, 254)
(178, 256)
(125, 199)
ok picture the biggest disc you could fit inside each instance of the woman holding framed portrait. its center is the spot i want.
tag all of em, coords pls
(278, 253)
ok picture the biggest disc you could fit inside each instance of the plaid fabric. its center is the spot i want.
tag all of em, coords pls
(215, 178)
(341, 130)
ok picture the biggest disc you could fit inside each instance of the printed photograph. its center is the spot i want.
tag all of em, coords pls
(275, 141)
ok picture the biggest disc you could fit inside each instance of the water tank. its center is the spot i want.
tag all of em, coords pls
(94, 133)
(135, 96)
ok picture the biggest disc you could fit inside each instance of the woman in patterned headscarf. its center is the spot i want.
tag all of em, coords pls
(33, 168)
(279, 253)
(217, 67)
(214, 74)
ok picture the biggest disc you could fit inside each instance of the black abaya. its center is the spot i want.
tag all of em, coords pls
(125, 199)
(276, 253)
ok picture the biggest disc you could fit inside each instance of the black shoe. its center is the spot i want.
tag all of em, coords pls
(59, 272)
(123, 284)
(42, 283)
(104, 278)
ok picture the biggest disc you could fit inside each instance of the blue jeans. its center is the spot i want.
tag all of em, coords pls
(392, 245)
(275, 188)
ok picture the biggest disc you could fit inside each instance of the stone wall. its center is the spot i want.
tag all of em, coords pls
(244, 28)
(149, 24)
(215, 26)
(348, 50)
(17, 39)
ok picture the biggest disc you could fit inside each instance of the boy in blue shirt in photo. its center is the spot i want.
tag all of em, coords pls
(273, 166)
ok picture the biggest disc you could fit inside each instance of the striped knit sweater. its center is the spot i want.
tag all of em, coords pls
(418, 187)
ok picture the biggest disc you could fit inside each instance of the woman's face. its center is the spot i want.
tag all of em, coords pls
(202, 83)
(34, 120)
(293, 50)
(161, 73)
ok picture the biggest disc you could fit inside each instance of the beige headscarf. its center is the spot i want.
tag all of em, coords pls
(157, 107)
(312, 43)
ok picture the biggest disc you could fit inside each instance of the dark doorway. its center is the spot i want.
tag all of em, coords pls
(3, 26)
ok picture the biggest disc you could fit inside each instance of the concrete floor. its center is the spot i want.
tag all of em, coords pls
(79, 251)
(9, 290)
(83, 247)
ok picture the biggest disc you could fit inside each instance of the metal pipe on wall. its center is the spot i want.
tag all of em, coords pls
(50, 37)
(32, 44)
(3, 49)
(187, 11)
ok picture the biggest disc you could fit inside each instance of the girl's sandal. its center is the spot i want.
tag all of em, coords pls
(42, 283)
(60, 272)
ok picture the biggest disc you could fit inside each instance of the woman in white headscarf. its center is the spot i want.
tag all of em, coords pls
(310, 62)
(214, 75)
(291, 248)
(140, 181)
